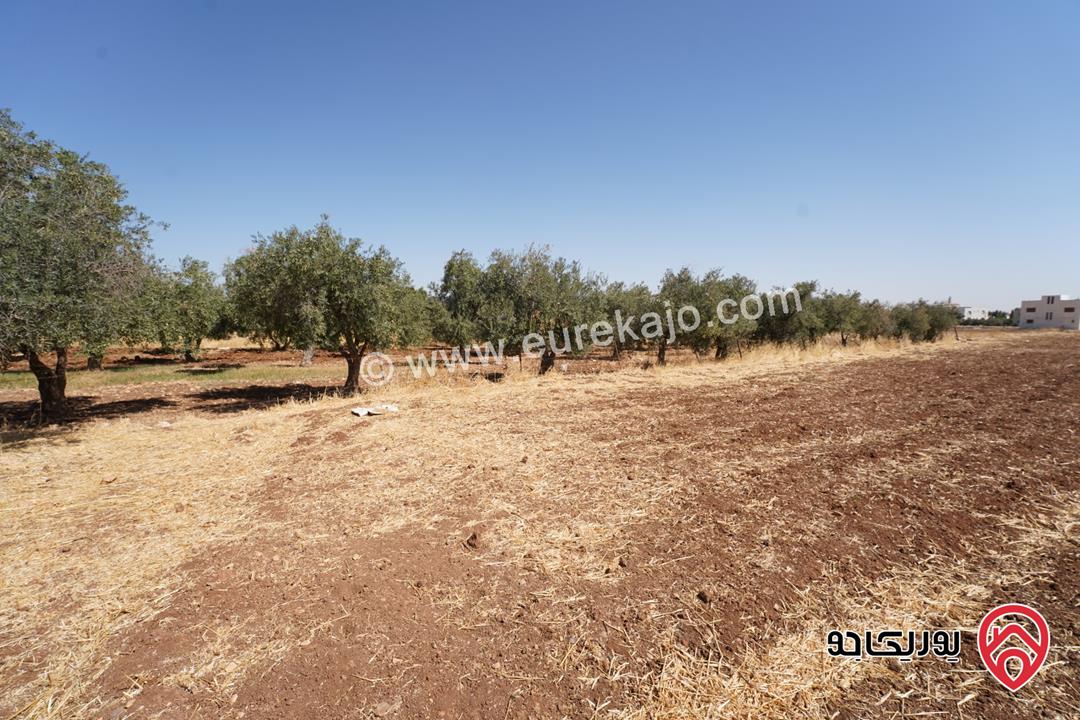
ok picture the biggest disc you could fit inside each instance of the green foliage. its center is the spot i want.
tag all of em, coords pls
(742, 330)
(706, 311)
(874, 321)
(840, 313)
(459, 296)
(71, 250)
(318, 287)
(74, 270)
(625, 304)
(922, 321)
(276, 290)
(912, 321)
(174, 308)
(156, 319)
(792, 316)
(370, 303)
(527, 294)
(197, 303)
(518, 296)
(942, 319)
(696, 298)
(677, 290)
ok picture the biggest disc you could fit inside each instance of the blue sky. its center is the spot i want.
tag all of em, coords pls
(904, 149)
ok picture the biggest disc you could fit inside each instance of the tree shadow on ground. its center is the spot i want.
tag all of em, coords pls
(247, 397)
(20, 421)
(209, 369)
(125, 363)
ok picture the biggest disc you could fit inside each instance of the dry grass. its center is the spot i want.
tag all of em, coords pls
(97, 523)
(795, 677)
(548, 494)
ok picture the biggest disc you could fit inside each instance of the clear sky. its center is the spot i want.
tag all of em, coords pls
(904, 149)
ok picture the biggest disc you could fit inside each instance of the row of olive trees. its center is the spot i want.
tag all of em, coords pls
(75, 271)
(519, 294)
(176, 309)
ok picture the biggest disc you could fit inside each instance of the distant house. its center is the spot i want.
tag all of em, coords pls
(972, 313)
(1050, 311)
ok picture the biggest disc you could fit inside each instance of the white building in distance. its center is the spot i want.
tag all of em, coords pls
(1050, 311)
(972, 313)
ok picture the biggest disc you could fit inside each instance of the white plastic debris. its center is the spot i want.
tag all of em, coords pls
(374, 410)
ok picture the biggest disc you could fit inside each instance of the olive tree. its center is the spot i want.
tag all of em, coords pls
(459, 294)
(681, 293)
(922, 321)
(155, 297)
(793, 315)
(110, 321)
(370, 302)
(277, 289)
(840, 313)
(874, 321)
(702, 313)
(942, 319)
(197, 302)
(733, 326)
(623, 305)
(70, 250)
(352, 299)
(912, 320)
(531, 302)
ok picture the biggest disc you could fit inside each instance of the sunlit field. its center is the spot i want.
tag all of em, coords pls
(605, 550)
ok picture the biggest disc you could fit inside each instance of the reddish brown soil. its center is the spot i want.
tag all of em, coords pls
(856, 468)
(729, 563)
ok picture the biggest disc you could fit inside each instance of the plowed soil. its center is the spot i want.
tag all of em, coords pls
(649, 543)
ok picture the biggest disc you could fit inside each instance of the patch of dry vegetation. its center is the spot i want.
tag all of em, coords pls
(795, 677)
(97, 525)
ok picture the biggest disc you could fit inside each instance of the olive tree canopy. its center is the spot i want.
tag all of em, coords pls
(317, 286)
(71, 253)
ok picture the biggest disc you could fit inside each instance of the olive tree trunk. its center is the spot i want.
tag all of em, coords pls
(52, 382)
(192, 350)
(354, 356)
(547, 361)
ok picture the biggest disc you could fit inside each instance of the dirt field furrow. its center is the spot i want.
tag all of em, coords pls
(637, 544)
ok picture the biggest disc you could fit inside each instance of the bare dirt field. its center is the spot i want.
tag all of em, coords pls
(648, 543)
